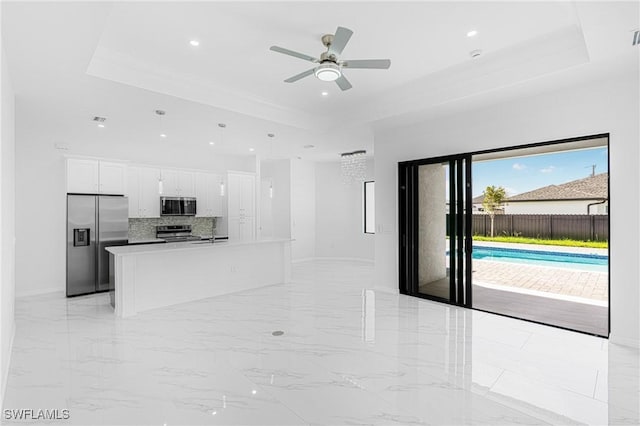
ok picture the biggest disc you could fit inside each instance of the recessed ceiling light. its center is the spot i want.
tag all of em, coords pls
(251, 149)
(472, 33)
(325, 93)
(162, 135)
(212, 143)
(101, 125)
(194, 43)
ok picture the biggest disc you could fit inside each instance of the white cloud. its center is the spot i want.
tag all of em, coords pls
(511, 191)
(548, 169)
(519, 166)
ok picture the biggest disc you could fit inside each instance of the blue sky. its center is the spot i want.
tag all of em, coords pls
(523, 174)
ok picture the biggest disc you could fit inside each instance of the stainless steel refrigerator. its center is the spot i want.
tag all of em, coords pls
(94, 222)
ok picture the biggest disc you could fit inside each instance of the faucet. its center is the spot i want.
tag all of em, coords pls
(213, 230)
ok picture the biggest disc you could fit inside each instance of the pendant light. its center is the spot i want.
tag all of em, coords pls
(271, 136)
(222, 127)
(160, 113)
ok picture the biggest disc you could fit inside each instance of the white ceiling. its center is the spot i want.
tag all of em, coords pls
(71, 61)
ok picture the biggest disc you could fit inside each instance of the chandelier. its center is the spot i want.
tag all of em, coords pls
(354, 166)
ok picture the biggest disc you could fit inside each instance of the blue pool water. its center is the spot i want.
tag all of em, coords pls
(584, 262)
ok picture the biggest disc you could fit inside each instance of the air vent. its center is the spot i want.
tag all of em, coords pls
(99, 119)
(636, 38)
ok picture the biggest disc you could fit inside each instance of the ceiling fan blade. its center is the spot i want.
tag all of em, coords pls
(343, 83)
(340, 40)
(367, 63)
(299, 76)
(294, 54)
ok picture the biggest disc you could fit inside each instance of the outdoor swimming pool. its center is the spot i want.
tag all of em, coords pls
(585, 262)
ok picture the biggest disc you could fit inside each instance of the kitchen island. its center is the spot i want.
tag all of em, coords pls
(156, 275)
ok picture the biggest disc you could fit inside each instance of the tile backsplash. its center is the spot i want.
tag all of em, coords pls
(143, 228)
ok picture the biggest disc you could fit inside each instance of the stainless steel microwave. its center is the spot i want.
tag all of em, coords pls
(177, 206)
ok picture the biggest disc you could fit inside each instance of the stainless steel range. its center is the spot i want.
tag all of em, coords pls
(175, 233)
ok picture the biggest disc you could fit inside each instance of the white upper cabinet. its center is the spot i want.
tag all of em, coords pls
(82, 176)
(113, 178)
(204, 195)
(96, 177)
(133, 191)
(186, 184)
(178, 183)
(207, 193)
(169, 183)
(149, 191)
(143, 191)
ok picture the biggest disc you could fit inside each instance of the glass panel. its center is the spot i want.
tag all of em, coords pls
(433, 244)
(536, 259)
(369, 208)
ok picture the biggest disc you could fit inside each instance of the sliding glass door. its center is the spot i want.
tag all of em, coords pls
(435, 237)
(540, 247)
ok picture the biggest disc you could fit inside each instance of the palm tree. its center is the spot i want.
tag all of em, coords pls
(493, 199)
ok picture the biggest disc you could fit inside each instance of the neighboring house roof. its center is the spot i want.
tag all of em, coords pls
(590, 188)
(478, 200)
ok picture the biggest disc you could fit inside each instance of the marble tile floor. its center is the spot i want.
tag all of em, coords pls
(350, 355)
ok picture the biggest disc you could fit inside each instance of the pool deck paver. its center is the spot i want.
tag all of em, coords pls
(569, 282)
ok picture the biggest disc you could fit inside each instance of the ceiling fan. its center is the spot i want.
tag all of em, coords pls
(329, 66)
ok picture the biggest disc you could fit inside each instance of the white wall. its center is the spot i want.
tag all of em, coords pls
(7, 221)
(554, 207)
(303, 210)
(275, 213)
(598, 107)
(339, 215)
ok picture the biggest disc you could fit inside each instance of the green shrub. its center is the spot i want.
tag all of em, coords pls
(524, 240)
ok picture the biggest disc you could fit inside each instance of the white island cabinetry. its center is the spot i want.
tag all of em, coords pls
(152, 276)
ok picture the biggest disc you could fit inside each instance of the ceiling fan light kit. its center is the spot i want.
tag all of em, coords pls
(330, 67)
(328, 72)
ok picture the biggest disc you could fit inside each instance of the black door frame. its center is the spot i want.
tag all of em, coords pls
(408, 202)
(460, 237)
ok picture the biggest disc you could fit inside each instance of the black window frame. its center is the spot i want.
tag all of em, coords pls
(364, 207)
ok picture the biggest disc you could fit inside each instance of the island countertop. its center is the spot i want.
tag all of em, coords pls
(186, 245)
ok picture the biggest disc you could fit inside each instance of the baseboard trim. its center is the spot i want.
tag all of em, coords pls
(5, 374)
(624, 341)
(39, 292)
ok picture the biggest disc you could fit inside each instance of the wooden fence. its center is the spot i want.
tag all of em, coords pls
(549, 226)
